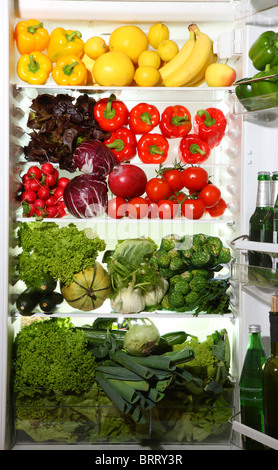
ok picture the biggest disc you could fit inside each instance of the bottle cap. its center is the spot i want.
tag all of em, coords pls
(254, 328)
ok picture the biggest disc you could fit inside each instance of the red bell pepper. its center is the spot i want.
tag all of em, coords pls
(193, 150)
(123, 144)
(110, 113)
(175, 122)
(210, 125)
(153, 148)
(143, 118)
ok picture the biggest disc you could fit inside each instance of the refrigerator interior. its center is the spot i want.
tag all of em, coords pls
(249, 138)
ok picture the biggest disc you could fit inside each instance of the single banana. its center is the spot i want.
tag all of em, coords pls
(180, 58)
(194, 65)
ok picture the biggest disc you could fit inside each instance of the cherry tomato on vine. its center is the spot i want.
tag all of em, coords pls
(218, 209)
(116, 207)
(210, 195)
(153, 209)
(137, 208)
(195, 178)
(157, 189)
(167, 208)
(174, 179)
(193, 208)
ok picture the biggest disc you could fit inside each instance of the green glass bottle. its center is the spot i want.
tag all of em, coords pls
(270, 376)
(250, 386)
(268, 220)
(257, 218)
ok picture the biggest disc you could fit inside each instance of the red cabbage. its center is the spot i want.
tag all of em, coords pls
(85, 196)
(94, 158)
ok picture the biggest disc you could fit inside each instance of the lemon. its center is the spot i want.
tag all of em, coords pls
(129, 39)
(167, 50)
(114, 68)
(158, 32)
(145, 75)
(151, 58)
(95, 47)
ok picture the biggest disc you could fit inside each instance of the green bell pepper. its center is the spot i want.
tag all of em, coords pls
(267, 86)
(248, 93)
(264, 50)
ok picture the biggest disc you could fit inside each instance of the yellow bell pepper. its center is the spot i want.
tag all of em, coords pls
(70, 70)
(64, 42)
(31, 36)
(34, 68)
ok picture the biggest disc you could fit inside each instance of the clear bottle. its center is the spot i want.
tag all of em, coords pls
(268, 234)
(270, 376)
(250, 386)
(257, 218)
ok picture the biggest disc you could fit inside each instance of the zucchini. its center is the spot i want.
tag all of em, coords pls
(103, 323)
(27, 301)
(177, 337)
(49, 302)
(97, 337)
(45, 283)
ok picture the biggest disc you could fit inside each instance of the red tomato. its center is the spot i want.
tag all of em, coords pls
(167, 209)
(62, 182)
(174, 179)
(127, 180)
(153, 209)
(195, 177)
(47, 168)
(34, 172)
(137, 208)
(43, 192)
(193, 208)
(157, 189)
(210, 195)
(218, 209)
(116, 207)
(29, 196)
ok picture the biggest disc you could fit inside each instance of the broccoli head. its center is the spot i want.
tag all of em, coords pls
(224, 256)
(169, 242)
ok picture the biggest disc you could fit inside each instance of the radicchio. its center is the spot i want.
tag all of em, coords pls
(85, 196)
(92, 157)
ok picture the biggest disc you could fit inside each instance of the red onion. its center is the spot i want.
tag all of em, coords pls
(94, 158)
(85, 196)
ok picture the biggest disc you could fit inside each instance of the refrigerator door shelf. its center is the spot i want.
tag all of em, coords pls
(253, 434)
(255, 11)
(242, 243)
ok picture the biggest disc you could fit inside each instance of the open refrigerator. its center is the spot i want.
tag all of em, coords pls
(250, 145)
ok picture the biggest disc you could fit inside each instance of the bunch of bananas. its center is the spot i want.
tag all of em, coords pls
(189, 66)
